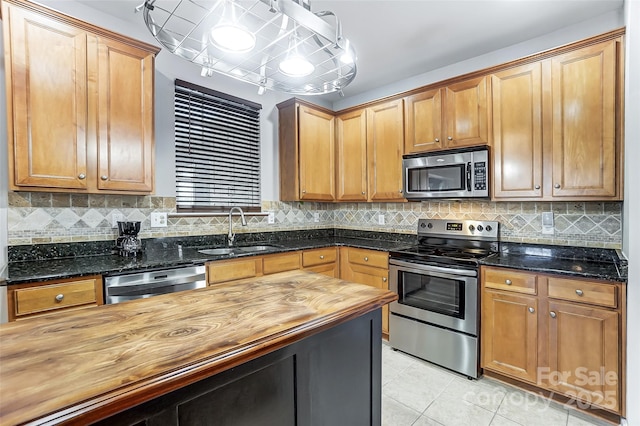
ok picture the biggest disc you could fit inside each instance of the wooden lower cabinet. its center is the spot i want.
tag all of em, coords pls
(566, 337)
(323, 261)
(224, 271)
(281, 262)
(510, 334)
(39, 299)
(368, 267)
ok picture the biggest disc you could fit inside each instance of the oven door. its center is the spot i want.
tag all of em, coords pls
(443, 296)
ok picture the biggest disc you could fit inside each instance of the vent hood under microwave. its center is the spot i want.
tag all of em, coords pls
(461, 173)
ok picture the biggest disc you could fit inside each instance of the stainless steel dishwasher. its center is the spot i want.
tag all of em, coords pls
(120, 288)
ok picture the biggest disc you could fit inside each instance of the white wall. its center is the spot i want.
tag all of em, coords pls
(631, 227)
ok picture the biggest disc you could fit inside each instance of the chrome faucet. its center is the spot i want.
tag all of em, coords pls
(231, 237)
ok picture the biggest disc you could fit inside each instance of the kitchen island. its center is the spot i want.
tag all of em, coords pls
(290, 348)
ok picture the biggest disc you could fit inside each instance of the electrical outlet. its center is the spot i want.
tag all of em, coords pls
(271, 218)
(316, 217)
(547, 223)
(159, 220)
(117, 217)
(381, 219)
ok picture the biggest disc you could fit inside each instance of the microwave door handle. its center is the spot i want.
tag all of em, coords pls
(469, 177)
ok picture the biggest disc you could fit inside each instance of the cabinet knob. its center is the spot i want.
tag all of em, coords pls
(103, 177)
(579, 292)
(82, 176)
(437, 140)
(531, 309)
(384, 279)
(366, 259)
(552, 314)
(556, 186)
(507, 282)
(450, 138)
(537, 187)
(59, 297)
(321, 256)
(362, 192)
(304, 191)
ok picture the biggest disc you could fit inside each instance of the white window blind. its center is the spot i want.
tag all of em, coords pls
(217, 150)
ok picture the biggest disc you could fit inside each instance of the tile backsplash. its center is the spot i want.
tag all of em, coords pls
(37, 218)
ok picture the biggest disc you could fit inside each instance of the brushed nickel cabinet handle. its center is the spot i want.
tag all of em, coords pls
(366, 259)
(507, 282)
(556, 186)
(81, 176)
(537, 186)
(104, 177)
(552, 314)
(384, 279)
(59, 297)
(362, 192)
(579, 292)
(531, 309)
(304, 191)
(450, 138)
(321, 257)
(437, 140)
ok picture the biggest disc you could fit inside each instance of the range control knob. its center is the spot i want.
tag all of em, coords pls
(430, 225)
(480, 228)
(488, 228)
(472, 228)
(422, 225)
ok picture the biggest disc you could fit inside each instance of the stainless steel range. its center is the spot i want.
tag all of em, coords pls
(436, 317)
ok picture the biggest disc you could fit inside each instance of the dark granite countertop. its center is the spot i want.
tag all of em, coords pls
(604, 264)
(164, 253)
(49, 262)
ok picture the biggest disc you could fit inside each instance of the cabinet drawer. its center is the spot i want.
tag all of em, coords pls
(57, 296)
(583, 291)
(377, 259)
(319, 256)
(218, 272)
(281, 263)
(509, 280)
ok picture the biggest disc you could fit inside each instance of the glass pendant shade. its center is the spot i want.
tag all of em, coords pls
(233, 38)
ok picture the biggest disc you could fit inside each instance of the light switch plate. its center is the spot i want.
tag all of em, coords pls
(381, 219)
(117, 217)
(316, 217)
(547, 223)
(159, 220)
(271, 218)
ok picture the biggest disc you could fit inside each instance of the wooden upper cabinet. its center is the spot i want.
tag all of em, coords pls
(79, 104)
(517, 132)
(423, 122)
(307, 152)
(46, 100)
(450, 117)
(385, 134)
(351, 156)
(466, 113)
(125, 117)
(586, 137)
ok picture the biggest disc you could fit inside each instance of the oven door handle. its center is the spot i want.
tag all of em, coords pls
(431, 268)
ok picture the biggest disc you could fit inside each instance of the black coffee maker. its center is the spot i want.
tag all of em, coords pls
(128, 243)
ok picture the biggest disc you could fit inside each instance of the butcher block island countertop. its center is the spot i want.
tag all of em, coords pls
(86, 365)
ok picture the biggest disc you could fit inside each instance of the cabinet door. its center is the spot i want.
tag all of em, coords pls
(316, 138)
(385, 135)
(352, 156)
(466, 114)
(510, 334)
(584, 122)
(124, 117)
(47, 111)
(516, 96)
(583, 353)
(423, 122)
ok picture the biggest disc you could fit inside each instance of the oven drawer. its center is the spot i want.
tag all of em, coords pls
(376, 259)
(509, 280)
(583, 292)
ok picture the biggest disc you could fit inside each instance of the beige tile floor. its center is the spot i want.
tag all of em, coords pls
(417, 393)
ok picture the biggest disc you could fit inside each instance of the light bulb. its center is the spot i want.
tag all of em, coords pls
(295, 65)
(233, 37)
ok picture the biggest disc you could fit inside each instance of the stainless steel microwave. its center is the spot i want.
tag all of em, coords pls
(462, 173)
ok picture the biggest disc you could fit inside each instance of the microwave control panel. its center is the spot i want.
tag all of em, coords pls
(480, 175)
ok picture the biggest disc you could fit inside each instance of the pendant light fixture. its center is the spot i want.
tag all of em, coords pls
(274, 44)
(229, 35)
(295, 64)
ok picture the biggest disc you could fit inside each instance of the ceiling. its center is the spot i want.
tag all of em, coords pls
(396, 39)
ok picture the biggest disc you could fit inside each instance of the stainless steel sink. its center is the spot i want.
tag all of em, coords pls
(216, 251)
(255, 248)
(241, 249)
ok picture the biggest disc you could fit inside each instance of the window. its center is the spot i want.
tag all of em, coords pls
(217, 150)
